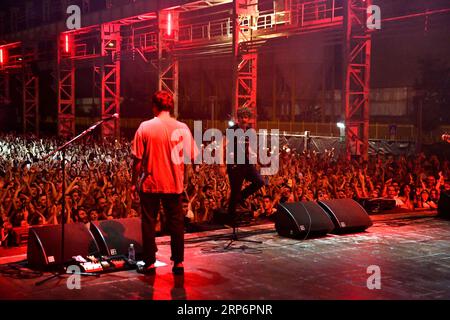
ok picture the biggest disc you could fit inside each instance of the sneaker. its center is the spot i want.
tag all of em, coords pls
(149, 270)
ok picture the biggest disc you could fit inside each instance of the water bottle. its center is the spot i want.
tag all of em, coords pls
(131, 253)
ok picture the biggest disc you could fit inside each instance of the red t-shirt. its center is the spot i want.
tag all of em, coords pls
(162, 144)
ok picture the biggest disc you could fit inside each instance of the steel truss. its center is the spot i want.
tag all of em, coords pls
(168, 64)
(245, 60)
(66, 89)
(16, 60)
(236, 28)
(110, 78)
(30, 93)
(356, 88)
(102, 47)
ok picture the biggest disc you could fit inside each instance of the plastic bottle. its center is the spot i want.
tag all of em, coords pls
(131, 253)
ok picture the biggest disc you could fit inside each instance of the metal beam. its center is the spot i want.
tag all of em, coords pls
(110, 78)
(245, 62)
(168, 65)
(66, 90)
(30, 96)
(356, 83)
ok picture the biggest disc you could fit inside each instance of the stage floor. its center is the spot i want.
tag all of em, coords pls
(411, 250)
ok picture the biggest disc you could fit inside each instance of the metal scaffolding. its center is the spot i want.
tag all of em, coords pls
(356, 83)
(103, 48)
(165, 36)
(16, 60)
(245, 68)
(110, 78)
(30, 96)
(168, 64)
(66, 86)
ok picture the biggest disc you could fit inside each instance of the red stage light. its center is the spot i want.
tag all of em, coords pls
(1, 56)
(169, 24)
(67, 47)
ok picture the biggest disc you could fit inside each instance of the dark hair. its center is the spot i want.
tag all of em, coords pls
(163, 101)
(402, 190)
(267, 197)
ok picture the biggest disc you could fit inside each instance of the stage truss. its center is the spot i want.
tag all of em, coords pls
(17, 60)
(169, 34)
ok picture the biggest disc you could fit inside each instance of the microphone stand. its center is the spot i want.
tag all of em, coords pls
(62, 149)
(234, 236)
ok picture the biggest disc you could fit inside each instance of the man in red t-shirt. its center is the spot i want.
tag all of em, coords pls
(160, 148)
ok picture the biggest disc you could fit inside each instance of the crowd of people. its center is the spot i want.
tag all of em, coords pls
(98, 183)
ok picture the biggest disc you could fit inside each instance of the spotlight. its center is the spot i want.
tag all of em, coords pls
(340, 125)
(66, 44)
(169, 24)
(231, 123)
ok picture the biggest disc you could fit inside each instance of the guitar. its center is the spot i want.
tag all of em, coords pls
(446, 137)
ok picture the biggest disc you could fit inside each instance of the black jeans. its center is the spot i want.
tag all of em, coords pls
(237, 174)
(173, 209)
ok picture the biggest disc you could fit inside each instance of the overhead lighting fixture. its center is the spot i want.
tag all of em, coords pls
(66, 46)
(231, 123)
(169, 24)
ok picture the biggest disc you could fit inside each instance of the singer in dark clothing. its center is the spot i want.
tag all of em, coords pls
(239, 172)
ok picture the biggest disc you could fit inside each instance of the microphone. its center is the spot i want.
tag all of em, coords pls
(446, 137)
(114, 116)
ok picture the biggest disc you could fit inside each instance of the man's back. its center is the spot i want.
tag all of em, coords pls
(154, 143)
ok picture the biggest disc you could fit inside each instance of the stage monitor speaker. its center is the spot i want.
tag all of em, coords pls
(302, 220)
(377, 205)
(444, 205)
(115, 236)
(44, 244)
(347, 215)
